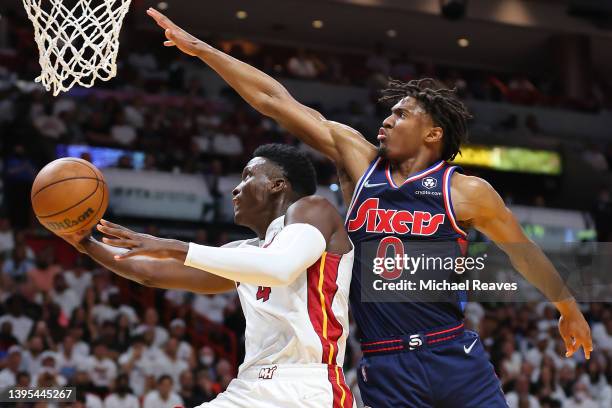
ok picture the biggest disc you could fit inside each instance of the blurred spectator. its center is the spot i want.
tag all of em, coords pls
(139, 361)
(85, 389)
(122, 133)
(163, 396)
(49, 125)
(64, 296)
(602, 332)
(185, 350)
(134, 113)
(581, 397)
(150, 163)
(43, 274)
(150, 323)
(96, 129)
(102, 369)
(20, 323)
(205, 389)
(68, 358)
(302, 66)
(7, 339)
(125, 162)
(211, 306)
(49, 367)
(7, 242)
(33, 354)
(187, 390)
(79, 278)
(226, 142)
(520, 398)
(110, 310)
(169, 363)
(596, 382)
(522, 90)
(17, 265)
(24, 380)
(512, 359)
(64, 104)
(595, 158)
(11, 364)
(122, 396)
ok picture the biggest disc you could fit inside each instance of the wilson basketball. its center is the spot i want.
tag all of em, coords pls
(69, 195)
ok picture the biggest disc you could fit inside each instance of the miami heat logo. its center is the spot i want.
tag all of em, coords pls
(394, 221)
(267, 373)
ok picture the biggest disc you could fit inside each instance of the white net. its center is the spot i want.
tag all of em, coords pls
(77, 40)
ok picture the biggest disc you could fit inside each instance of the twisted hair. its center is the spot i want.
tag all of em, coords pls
(442, 104)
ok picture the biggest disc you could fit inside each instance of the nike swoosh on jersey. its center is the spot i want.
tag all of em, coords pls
(368, 185)
(468, 349)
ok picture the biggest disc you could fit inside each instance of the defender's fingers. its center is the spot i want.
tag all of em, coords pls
(587, 345)
(160, 18)
(169, 44)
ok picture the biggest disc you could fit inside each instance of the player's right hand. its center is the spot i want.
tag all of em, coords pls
(176, 36)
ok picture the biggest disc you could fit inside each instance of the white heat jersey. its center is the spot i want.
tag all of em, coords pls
(303, 323)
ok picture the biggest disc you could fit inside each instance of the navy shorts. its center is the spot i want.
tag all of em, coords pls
(454, 373)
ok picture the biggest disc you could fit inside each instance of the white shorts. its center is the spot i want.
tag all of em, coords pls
(284, 386)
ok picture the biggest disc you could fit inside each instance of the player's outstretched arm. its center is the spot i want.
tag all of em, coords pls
(475, 201)
(291, 252)
(342, 144)
(158, 273)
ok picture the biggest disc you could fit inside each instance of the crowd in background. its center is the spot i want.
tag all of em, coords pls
(123, 345)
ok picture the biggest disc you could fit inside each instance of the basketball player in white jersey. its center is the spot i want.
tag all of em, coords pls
(292, 279)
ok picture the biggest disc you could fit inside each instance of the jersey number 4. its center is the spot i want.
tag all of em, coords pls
(263, 292)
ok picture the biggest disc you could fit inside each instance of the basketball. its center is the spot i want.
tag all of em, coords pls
(69, 195)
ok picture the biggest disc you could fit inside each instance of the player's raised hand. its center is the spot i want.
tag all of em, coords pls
(141, 244)
(175, 35)
(576, 333)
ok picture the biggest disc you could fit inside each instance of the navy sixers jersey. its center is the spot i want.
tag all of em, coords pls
(392, 219)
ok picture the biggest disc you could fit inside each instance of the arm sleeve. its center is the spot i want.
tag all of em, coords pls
(291, 252)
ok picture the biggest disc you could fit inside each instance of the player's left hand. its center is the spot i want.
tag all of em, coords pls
(141, 244)
(576, 333)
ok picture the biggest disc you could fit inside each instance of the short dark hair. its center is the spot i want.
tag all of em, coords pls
(296, 166)
(442, 104)
(164, 377)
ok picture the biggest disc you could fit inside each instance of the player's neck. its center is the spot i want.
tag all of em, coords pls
(273, 211)
(401, 170)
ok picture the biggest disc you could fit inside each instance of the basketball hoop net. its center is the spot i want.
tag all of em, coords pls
(77, 40)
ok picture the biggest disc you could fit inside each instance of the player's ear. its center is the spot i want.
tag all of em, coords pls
(434, 135)
(278, 185)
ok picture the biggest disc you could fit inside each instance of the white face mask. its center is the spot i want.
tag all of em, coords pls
(207, 360)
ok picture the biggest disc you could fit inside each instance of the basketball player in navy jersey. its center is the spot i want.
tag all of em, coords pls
(415, 354)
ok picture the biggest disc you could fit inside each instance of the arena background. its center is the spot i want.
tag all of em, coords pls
(171, 139)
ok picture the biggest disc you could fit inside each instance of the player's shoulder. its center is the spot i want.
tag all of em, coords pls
(474, 196)
(470, 185)
(312, 205)
(316, 211)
